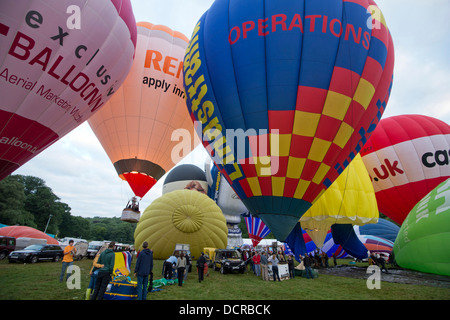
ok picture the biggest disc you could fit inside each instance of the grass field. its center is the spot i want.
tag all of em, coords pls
(40, 281)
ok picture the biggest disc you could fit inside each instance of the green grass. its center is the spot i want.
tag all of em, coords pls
(40, 281)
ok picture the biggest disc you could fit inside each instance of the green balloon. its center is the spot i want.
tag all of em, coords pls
(423, 242)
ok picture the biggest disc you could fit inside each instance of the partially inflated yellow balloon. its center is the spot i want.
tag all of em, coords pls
(349, 200)
(182, 216)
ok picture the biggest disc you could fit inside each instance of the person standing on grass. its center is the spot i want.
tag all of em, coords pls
(143, 268)
(257, 263)
(307, 263)
(181, 267)
(107, 259)
(291, 267)
(274, 260)
(201, 261)
(264, 271)
(69, 252)
(94, 272)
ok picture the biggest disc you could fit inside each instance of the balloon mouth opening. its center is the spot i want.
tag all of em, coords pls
(187, 218)
(139, 182)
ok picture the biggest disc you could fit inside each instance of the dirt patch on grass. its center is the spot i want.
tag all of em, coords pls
(393, 275)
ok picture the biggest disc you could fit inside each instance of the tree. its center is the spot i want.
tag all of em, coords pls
(27, 200)
(12, 199)
(41, 204)
(73, 226)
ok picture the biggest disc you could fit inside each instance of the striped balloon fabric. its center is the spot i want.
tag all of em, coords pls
(257, 230)
(299, 84)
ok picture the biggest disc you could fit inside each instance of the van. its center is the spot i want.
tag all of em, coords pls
(7, 245)
(93, 248)
(23, 242)
(80, 244)
(185, 249)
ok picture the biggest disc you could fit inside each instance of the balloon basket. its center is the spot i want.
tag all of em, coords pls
(130, 215)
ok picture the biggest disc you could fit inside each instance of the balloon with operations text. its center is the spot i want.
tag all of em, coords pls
(286, 93)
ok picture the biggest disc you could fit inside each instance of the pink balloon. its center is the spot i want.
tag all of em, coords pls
(60, 61)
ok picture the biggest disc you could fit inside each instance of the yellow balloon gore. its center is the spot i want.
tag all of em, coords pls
(182, 216)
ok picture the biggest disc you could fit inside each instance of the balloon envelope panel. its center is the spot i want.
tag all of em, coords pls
(182, 216)
(27, 232)
(57, 69)
(136, 126)
(406, 157)
(423, 242)
(349, 200)
(383, 228)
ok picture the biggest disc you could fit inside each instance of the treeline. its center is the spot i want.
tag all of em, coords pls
(28, 201)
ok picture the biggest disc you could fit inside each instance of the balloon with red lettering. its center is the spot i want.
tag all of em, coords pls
(141, 126)
(287, 92)
(60, 63)
(406, 157)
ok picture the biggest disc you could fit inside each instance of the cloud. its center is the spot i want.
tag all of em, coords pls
(421, 43)
(178, 15)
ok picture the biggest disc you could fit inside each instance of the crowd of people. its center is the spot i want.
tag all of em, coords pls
(258, 262)
(261, 262)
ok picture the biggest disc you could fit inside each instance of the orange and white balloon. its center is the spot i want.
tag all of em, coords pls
(136, 126)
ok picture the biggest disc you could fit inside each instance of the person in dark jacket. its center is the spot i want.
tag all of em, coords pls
(107, 259)
(201, 266)
(307, 261)
(143, 268)
(291, 267)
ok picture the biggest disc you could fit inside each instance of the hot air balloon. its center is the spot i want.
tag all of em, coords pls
(26, 232)
(285, 94)
(61, 61)
(257, 230)
(383, 228)
(406, 157)
(371, 243)
(423, 242)
(185, 176)
(349, 200)
(141, 126)
(227, 200)
(376, 244)
(181, 216)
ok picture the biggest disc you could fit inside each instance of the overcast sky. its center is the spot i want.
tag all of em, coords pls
(80, 173)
